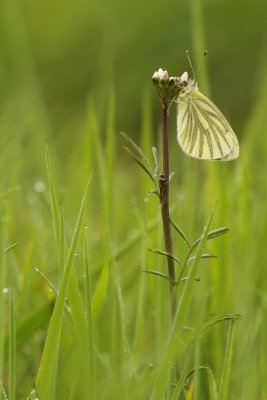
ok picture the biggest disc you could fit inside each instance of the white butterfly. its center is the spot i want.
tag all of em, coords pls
(203, 131)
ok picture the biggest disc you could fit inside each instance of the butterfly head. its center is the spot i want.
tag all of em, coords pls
(187, 86)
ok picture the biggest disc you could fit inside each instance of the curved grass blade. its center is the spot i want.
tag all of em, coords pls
(12, 246)
(45, 374)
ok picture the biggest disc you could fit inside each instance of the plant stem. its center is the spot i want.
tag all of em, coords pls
(164, 195)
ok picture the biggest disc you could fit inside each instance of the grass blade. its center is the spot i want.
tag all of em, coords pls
(45, 374)
(227, 360)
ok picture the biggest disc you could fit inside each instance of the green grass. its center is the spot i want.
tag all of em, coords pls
(90, 322)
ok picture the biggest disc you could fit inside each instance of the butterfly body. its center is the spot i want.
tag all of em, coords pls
(203, 131)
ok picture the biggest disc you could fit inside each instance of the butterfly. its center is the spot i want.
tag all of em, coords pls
(202, 130)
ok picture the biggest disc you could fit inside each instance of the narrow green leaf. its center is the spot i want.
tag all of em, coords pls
(211, 235)
(154, 192)
(139, 162)
(156, 159)
(12, 246)
(164, 253)
(139, 151)
(227, 360)
(180, 383)
(179, 230)
(45, 374)
(100, 291)
(149, 271)
(46, 280)
(217, 232)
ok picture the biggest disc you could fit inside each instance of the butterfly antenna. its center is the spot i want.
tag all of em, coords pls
(204, 55)
(189, 59)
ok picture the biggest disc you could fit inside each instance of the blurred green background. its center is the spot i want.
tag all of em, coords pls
(70, 68)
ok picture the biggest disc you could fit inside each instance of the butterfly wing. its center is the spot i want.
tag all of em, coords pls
(203, 131)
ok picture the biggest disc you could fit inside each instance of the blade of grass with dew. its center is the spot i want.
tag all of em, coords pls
(44, 377)
(227, 361)
(173, 340)
(2, 291)
(178, 388)
(12, 343)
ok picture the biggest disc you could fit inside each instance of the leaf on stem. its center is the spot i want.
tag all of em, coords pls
(149, 271)
(138, 150)
(211, 235)
(139, 162)
(179, 230)
(164, 253)
(156, 159)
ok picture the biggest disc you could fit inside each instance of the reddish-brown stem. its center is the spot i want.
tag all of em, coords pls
(164, 195)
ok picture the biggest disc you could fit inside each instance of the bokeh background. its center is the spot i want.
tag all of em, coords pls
(68, 68)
